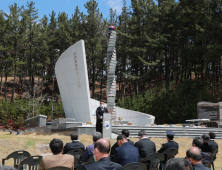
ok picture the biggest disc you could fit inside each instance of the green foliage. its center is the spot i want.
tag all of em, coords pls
(18, 110)
(170, 106)
(13, 110)
(58, 110)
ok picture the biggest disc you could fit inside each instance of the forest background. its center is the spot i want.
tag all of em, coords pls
(168, 57)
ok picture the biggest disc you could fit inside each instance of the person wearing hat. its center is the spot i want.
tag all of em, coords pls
(206, 147)
(170, 144)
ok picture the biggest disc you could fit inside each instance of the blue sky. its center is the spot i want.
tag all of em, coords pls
(45, 7)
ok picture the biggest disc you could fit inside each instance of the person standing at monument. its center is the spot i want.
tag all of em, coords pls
(170, 144)
(99, 116)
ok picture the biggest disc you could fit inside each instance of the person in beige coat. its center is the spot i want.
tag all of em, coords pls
(57, 159)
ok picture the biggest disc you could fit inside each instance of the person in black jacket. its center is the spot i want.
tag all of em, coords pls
(126, 133)
(145, 145)
(170, 143)
(206, 147)
(99, 116)
(75, 144)
(101, 155)
(212, 143)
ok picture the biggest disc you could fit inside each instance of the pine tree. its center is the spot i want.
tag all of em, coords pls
(32, 16)
(93, 31)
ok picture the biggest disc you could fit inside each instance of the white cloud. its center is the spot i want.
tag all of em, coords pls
(115, 5)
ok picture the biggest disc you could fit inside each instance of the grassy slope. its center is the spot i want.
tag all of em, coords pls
(30, 142)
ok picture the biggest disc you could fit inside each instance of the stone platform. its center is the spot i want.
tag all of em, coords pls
(63, 126)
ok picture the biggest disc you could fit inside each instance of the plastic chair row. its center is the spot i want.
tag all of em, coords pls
(22, 158)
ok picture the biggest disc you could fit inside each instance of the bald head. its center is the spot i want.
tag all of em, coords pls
(194, 153)
(103, 145)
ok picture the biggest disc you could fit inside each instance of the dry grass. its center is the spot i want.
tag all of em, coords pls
(31, 143)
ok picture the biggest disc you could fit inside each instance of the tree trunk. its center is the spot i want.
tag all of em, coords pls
(1, 83)
(5, 86)
(13, 89)
(93, 80)
(166, 69)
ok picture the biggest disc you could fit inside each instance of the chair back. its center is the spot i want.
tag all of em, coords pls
(154, 160)
(90, 160)
(207, 164)
(170, 153)
(77, 156)
(211, 155)
(18, 157)
(32, 162)
(135, 165)
(215, 151)
(59, 168)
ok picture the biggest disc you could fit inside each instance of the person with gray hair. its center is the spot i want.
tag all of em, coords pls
(193, 154)
(178, 163)
(101, 155)
(198, 142)
(89, 149)
(206, 147)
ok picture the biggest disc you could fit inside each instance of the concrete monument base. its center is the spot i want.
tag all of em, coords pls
(36, 121)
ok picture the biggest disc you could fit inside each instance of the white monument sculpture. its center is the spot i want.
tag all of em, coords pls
(72, 77)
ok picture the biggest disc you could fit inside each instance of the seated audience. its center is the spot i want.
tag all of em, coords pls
(178, 164)
(126, 133)
(206, 147)
(212, 143)
(75, 144)
(170, 144)
(145, 145)
(89, 149)
(57, 159)
(101, 154)
(125, 153)
(198, 142)
(194, 156)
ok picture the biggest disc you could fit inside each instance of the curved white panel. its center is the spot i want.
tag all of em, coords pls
(72, 77)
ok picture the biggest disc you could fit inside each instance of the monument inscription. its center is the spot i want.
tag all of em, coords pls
(208, 112)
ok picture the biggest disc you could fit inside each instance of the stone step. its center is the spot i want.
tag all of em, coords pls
(189, 132)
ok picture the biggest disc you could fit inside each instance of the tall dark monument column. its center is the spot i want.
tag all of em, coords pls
(111, 68)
